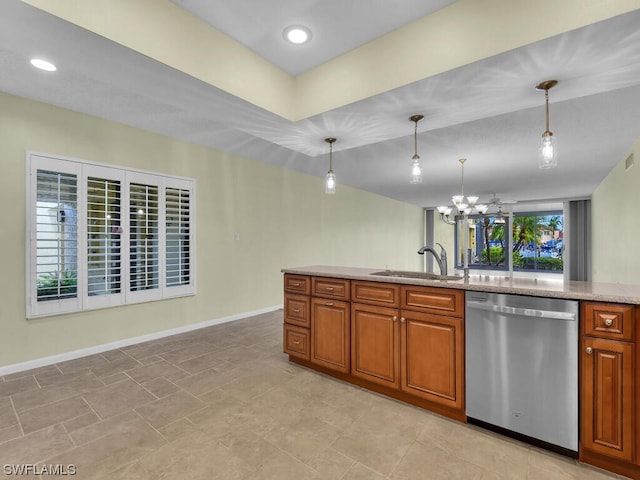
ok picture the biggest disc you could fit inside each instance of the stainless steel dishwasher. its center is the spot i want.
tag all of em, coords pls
(522, 367)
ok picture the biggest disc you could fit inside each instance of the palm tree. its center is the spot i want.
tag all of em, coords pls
(554, 223)
(523, 231)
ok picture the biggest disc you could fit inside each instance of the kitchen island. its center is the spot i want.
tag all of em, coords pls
(405, 337)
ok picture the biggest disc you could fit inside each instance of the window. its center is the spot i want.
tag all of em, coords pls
(102, 236)
(536, 242)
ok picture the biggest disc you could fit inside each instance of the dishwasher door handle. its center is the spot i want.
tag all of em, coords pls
(522, 312)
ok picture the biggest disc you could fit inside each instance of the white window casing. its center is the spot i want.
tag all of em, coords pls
(102, 236)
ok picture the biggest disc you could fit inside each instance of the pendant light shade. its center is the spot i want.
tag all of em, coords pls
(548, 151)
(330, 179)
(416, 165)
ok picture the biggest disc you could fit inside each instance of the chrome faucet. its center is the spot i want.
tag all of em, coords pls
(441, 259)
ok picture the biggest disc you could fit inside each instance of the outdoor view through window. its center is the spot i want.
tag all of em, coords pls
(536, 241)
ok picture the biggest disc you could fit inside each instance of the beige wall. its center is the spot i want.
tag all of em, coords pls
(283, 219)
(616, 224)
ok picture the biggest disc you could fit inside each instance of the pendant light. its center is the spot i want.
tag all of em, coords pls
(416, 165)
(548, 151)
(330, 179)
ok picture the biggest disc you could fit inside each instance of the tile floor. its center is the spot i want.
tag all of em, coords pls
(224, 403)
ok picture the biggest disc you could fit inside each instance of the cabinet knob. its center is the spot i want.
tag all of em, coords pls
(401, 319)
(608, 322)
(395, 318)
(589, 350)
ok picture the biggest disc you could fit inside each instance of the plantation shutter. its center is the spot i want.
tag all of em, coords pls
(56, 235)
(143, 237)
(178, 239)
(104, 259)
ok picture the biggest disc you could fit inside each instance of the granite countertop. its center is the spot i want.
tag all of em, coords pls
(602, 292)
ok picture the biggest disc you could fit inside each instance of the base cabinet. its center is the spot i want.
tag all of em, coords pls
(375, 344)
(432, 358)
(330, 334)
(607, 367)
(610, 386)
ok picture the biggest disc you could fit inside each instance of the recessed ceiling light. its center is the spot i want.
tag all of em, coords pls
(43, 65)
(297, 34)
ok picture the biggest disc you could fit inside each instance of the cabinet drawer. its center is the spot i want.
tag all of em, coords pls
(296, 310)
(330, 288)
(608, 320)
(375, 293)
(297, 284)
(296, 341)
(440, 301)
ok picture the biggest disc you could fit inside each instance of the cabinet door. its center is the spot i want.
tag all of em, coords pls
(432, 357)
(375, 344)
(607, 397)
(330, 328)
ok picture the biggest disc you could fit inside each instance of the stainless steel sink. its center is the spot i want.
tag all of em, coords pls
(420, 275)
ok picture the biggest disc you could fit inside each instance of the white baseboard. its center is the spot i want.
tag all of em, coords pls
(83, 352)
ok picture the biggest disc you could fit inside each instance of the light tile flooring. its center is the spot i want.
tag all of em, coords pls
(224, 403)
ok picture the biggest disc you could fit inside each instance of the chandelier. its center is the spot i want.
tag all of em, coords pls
(465, 205)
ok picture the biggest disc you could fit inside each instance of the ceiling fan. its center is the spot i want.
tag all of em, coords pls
(497, 201)
(500, 217)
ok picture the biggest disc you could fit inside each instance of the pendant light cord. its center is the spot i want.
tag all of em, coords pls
(415, 142)
(546, 98)
(331, 157)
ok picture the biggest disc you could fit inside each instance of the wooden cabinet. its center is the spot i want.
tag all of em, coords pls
(609, 387)
(297, 316)
(375, 344)
(417, 348)
(432, 358)
(404, 341)
(330, 334)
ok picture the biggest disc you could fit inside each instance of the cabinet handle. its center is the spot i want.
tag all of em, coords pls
(608, 322)
(395, 318)
(296, 310)
(589, 350)
(329, 304)
(401, 319)
(329, 289)
(295, 284)
(295, 342)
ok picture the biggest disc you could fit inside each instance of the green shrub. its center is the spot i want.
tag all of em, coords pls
(497, 256)
(48, 284)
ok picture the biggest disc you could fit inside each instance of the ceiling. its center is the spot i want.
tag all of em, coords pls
(487, 111)
(337, 26)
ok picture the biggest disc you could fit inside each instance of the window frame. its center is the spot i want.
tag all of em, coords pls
(508, 229)
(83, 170)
